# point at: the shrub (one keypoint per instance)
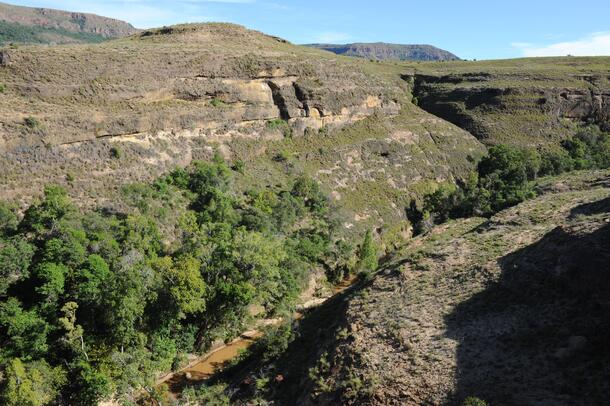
(217, 102)
(473, 401)
(2, 88)
(116, 152)
(282, 156)
(239, 166)
(367, 254)
(281, 125)
(31, 122)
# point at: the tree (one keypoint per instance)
(26, 331)
(15, 256)
(73, 332)
(92, 279)
(309, 190)
(182, 278)
(8, 219)
(45, 215)
(52, 278)
(89, 384)
(367, 254)
(33, 384)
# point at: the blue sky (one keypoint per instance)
(469, 28)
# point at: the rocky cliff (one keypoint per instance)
(43, 25)
(381, 51)
(524, 102)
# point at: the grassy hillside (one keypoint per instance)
(47, 26)
(169, 96)
(529, 102)
(511, 310)
(13, 33)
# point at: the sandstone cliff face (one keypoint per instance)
(537, 107)
(185, 79)
(176, 94)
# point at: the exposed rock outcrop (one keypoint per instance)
(513, 107)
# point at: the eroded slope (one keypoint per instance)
(512, 310)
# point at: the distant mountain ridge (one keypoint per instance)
(20, 24)
(385, 51)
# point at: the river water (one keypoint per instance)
(206, 366)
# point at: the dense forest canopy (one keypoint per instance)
(94, 304)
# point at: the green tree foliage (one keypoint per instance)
(8, 219)
(505, 177)
(45, 215)
(32, 384)
(368, 254)
(16, 255)
(473, 401)
(107, 300)
(25, 332)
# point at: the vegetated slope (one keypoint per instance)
(106, 114)
(382, 51)
(512, 310)
(47, 26)
(527, 102)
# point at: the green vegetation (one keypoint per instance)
(473, 401)
(367, 254)
(31, 122)
(2, 88)
(95, 303)
(280, 125)
(13, 32)
(116, 152)
(506, 177)
(217, 102)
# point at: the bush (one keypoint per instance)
(473, 401)
(116, 152)
(2, 88)
(281, 125)
(31, 122)
(239, 166)
(217, 103)
(367, 254)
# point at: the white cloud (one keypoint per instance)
(594, 44)
(330, 37)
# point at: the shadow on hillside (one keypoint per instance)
(541, 334)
